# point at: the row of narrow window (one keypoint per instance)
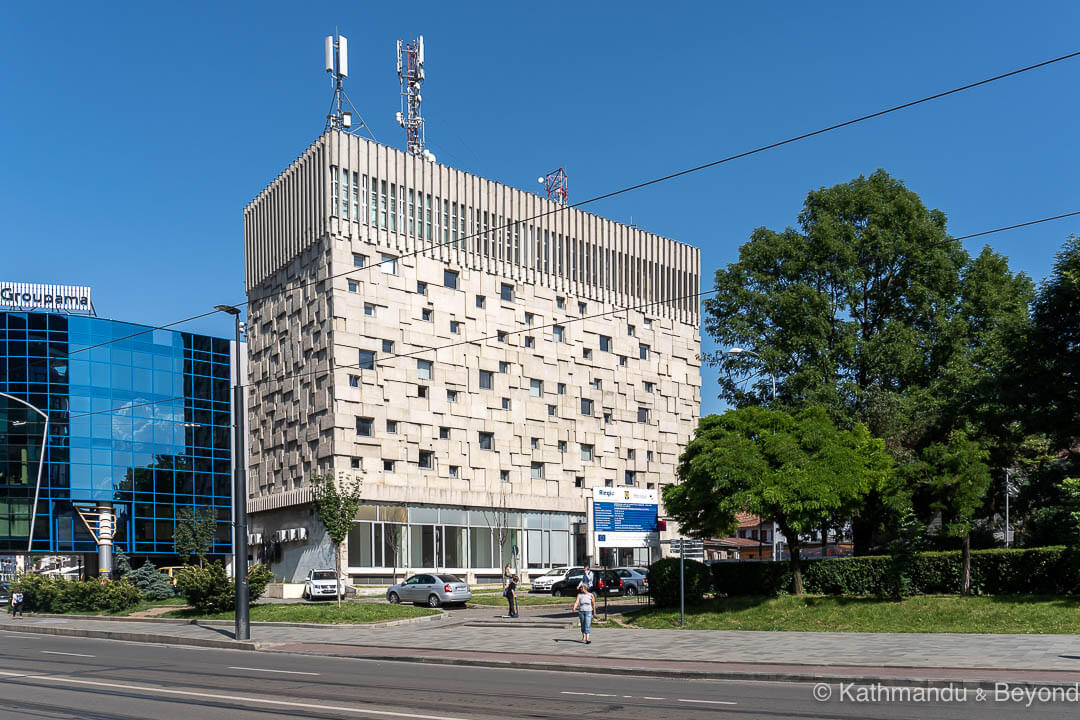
(369, 201)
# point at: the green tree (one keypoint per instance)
(194, 533)
(801, 471)
(336, 505)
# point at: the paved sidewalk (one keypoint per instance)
(545, 637)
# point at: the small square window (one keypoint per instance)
(354, 381)
(607, 418)
(530, 341)
(427, 460)
(388, 346)
(536, 387)
(587, 353)
(536, 471)
(506, 403)
(501, 335)
(388, 465)
(506, 292)
(562, 446)
(426, 314)
(480, 301)
(391, 426)
(605, 343)
(622, 361)
(630, 478)
(421, 391)
(558, 333)
(588, 452)
(455, 327)
(534, 443)
(388, 264)
(643, 415)
(581, 308)
(630, 454)
(444, 433)
(562, 388)
(586, 406)
(369, 309)
(551, 411)
(487, 441)
(560, 302)
(650, 486)
(365, 426)
(630, 330)
(454, 471)
(450, 279)
(366, 360)
(579, 481)
(486, 379)
(359, 260)
(421, 288)
(504, 476)
(354, 286)
(643, 352)
(608, 482)
(423, 369)
(597, 384)
(649, 455)
(354, 463)
(504, 367)
(649, 387)
(528, 318)
(451, 396)
(648, 322)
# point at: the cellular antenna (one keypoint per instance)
(410, 70)
(555, 186)
(337, 64)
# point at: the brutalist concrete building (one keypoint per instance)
(464, 349)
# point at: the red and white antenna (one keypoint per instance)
(555, 185)
(410, 70)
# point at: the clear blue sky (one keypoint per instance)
(133, 135)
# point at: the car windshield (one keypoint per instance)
(450, 578)
(323, 575)
(556, 572)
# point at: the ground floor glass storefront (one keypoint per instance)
(462, 540)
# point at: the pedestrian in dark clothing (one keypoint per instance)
(511, 595)
(16, 604)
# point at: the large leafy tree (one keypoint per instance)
(800, 470)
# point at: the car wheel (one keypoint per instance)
(433, 600)
(631, 591)
(306, 595)
(394, 598)
(556, 593)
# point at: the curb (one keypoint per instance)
(154, 638)
(742, 675)
(230, 623)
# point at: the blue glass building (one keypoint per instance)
(142, 422)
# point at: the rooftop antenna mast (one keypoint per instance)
(410, 70)
(555, 186)
(337, 64)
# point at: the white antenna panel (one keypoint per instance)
(399, 58)
(329, 53)
(420, 53)
(343, 56)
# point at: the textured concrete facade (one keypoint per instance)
(500, 367)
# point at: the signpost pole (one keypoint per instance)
(682, 585)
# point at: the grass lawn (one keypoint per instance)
(523, 599)
(351, 612)
(932, 613)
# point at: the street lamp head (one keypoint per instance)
(228, 309)
(736, 350)
(18, 423)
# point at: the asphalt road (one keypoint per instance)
(54, 677)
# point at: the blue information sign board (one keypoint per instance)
(624, 517)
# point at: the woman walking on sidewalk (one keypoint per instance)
(583, 606)
(511, 595)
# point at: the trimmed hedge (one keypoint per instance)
(664, 581)
(1040, 571)
(51, 594)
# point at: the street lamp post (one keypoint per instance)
(41, 464)
(743, 351)
(240, 546)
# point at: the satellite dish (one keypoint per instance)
(400, 120)
(541, 180)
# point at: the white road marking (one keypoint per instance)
(53, 652)
(567, 692)
(709, 702)
(287, 672)
(59, 679)
(647, 697)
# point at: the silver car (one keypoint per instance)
(430, 589)
(635, 581)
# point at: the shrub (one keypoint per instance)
(664, 581)
(45, 594)
(210, 590)
(1044, 571)
(151, 583)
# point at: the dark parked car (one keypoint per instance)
(5, 594)
(605, 582)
